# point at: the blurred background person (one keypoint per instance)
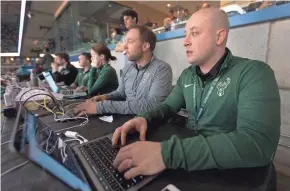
(171, 15)
(186, 14)
(115, 36)
(46, 60)
(148, 23)
(63, 70)
(82, 78)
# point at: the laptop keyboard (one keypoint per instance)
(100, 155)
(67, 92)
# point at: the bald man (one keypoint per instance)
(233, 105)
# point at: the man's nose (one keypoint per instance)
(186, 41)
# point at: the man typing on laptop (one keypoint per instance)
(233, 105)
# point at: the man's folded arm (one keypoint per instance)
(254, 141)
(57, 76)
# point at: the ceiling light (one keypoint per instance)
(78, 23)
(27, 59)
(29, 15)
(168, 5)
(11, 59)
(110, 5)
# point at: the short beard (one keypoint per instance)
(135, 58)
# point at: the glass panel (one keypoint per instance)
(87, 22)
(10, 19)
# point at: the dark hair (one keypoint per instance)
(103, 49)
(63, 55)
(118, 31)
(146, 35)
(87, 55)
(130, 13)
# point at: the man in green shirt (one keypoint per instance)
(233, 105)
(82, 78)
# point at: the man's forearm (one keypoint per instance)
(116, 95)
(58, 77)
(126, 107)
(158, 115)
(236, 149)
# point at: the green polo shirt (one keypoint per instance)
(82, 78)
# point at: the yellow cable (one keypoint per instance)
(44, 106)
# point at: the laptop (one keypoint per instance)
(64, 92)
(87, 167)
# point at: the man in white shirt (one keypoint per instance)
(130, 18)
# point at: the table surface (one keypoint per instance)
(31, 177)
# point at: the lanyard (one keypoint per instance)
(201, 109)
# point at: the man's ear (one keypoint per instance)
(146, 46)
(102, 56)
(221, 36)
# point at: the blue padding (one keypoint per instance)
(111, 46)
(268, 14)
(178, 33)
(74, 58)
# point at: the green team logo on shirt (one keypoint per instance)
(221, 86)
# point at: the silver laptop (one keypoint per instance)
(56, 89)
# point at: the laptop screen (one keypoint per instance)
(44, 147)
(51, 82)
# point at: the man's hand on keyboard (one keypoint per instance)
(99, 98)
(140, 158)
(138, 124)
(88, 107)
(81, 89)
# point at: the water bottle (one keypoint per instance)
(33, 79)
(7, 97)
(14, 81)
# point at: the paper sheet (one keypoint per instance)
(108, 119)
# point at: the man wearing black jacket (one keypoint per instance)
(63, 70)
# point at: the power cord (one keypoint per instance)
(14, 168)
